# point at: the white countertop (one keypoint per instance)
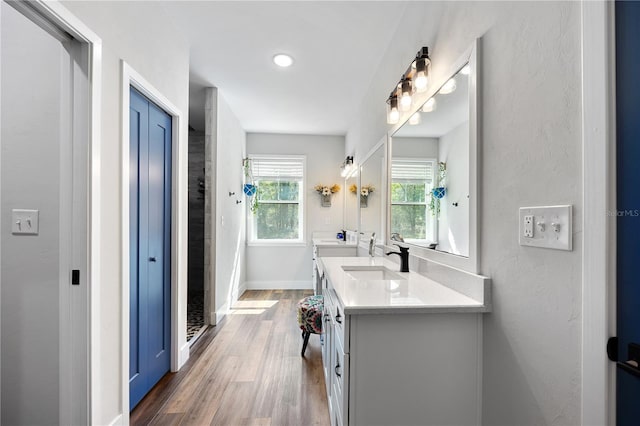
(328, 242)
(415, 293)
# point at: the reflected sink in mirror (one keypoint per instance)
(372, 273)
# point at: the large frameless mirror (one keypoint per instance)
(371, 193)
(433, 171)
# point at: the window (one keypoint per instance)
(411, 185)
(280, 188)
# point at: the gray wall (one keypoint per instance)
(531, 140)
(229, 218)
(289, 266)
(32, 70)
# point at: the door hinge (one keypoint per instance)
(75, 277)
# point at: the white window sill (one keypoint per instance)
(277, 243)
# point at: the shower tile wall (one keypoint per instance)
(195, 307)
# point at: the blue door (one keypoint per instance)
(628, 193)
(150, 245)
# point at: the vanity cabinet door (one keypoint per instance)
(340, 390)
(327, 343)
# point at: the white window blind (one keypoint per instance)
(412, 171)
(278, 168)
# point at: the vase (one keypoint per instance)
(363, 200)
(249, 189)
(439, 192)
(326, 200)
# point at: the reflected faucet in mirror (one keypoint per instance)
(372, 244)
(397, 237)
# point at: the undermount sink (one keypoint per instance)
(372, 273)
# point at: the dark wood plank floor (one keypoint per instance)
(246, 371)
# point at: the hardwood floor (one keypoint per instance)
(246, 371)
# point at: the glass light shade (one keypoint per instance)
(448, 87)
(393, 115)
(405, 99)
(421, 81)
(430, 105)
(415, 119)
(465, 70)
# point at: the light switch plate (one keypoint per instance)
(24, 222)
(552, 227)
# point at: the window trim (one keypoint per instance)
(302, 209)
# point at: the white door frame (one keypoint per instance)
(599, 226)
(179, 345)
(82, 397)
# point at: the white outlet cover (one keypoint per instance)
(562, 216)
(24, 222)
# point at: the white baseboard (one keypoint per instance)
(184, 355)
(217, 316)
(241, 289)
(279, 285)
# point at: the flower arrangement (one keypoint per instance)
(366, 190)
(353, 188)
(327, 190)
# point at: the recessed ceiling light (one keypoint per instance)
(283, 60)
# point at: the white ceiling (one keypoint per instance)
(451, 111)
(336, 45)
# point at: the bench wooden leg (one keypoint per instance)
(306, 335)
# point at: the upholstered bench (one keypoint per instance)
(310, 317)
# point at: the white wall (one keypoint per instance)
(530, 155)
(161, 56)
(230, 216)
(453, 223)
(32, 125)
(409, 147)
(290, 267)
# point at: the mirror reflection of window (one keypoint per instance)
(412, 181)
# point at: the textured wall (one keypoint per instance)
(161, 56)
(530, 155)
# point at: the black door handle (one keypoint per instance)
(630, 367)
(152, 259)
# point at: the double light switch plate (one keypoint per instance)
(546, 227)
(24, 222)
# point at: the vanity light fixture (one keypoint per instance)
(347, 166)
(448, 87)
(283, 60)
(430, 105)
(414, 80)
(415, 119)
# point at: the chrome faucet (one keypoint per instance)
(372, 244)
(404, 257)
